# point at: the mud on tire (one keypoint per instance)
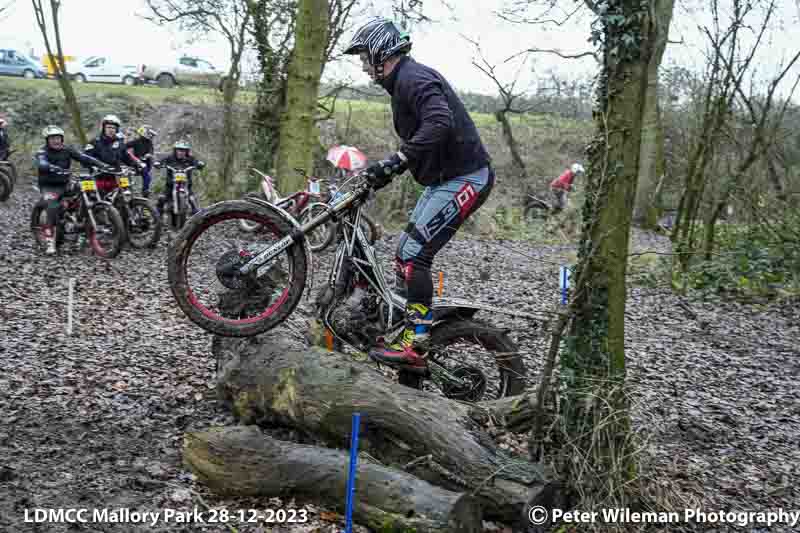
(180, 251)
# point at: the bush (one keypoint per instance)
(749, 262)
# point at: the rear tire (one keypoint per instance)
(324, 235)
(36, 221)
(140, 206)
(79, 78)
(534, 214)
(11, 171)
(247, 225)
(122, 210)
(508, 361)
(106, 213)
(5, 186)
(165, 81)
(180, 251)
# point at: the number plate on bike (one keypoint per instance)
(180, 177)
(88, 186)
(123, 182)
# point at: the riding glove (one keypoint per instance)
(381, 173)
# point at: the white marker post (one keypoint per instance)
(564, 283)
(69, 305)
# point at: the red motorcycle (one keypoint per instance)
(295, 204)
(305, 205)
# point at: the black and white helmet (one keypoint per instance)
(381, 39)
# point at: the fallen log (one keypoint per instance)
(242, 461)
(265, 381)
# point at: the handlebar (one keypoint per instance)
(187, 169)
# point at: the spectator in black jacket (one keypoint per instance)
(53, 161)
(109, 147)
(442, 149)
(141, 151)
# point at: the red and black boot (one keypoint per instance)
(408, 352)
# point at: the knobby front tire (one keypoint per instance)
(209, 319)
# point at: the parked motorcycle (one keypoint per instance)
(303, 205)
(334, 228)
(142, 223)
(181, 203)
(83, 214)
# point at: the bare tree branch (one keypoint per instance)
(5, 8)
(580, 55)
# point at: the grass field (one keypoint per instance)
(548, 143)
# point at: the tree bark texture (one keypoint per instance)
(298, 133)
(651, 162)
(266, 382)
(242, 461)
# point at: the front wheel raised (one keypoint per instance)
(204, 265)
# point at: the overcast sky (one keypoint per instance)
(93, 27)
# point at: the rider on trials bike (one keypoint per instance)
(52, 162)
(109, 147)
(443, 151)
(181, 158)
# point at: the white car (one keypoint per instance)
(102, 69)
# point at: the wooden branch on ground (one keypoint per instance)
(265, 381)
(242, 461)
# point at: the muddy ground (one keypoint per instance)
(95, 420)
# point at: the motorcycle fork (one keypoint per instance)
(87, 206)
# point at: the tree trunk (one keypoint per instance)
(651, 162)
(774, 179)
(242, 461)
(265, 381)
(271, 93)
(298, 132)
(508, 135)
(711, 226)
(59, 66)
(595, 411)
(230, 139)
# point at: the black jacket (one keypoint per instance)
(140, 147)
(174, 162)
(440, 139)
(51, 163)
(110, 151)
(5, 144)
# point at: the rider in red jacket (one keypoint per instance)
(563, 184)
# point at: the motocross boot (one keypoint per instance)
(49, 237)
(408, 351)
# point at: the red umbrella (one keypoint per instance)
(347, 157)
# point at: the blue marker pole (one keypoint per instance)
(351, 477)
(564, 283)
